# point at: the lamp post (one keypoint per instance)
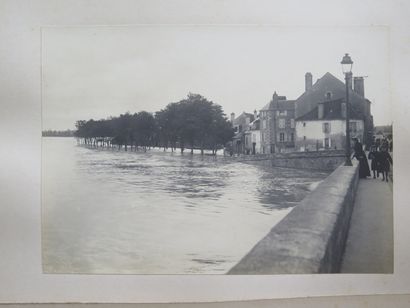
(347, 64)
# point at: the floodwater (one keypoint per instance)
(114, 212)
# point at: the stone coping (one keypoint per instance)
(312, 237)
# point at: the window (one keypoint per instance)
(292, 137)
(263, 124)
(304, 124)
(326, 128)
(282, 137)
(328, 95)
(304, 137)
(292, 123)
(282, 123)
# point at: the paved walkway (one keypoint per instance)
(369, 247)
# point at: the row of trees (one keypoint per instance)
(194, 123)
(58, 133)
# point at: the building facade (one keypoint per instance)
(255, 135)
(277, 125)
(324, 127)
(324, 102)
(241, 125)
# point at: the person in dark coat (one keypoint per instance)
(360, 155)
(374, 157)
(385, 161)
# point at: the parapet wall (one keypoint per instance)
(318, 160)
(312, 237)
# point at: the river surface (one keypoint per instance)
(108, 211)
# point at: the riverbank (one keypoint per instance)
(326, 161)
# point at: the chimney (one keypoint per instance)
(232, 117)
(255, 114)
(359, 85)
(308, 81)
(320, 110)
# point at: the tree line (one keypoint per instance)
(58, 133)
(192, 123)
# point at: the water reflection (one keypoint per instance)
(284, 187)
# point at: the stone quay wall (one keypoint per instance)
(312, 237)
(318, 160)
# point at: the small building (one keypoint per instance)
(277, 125)
(324, 127)
(240, 141)
(254, 135)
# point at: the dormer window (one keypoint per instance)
(328, 95)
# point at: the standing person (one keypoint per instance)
(385, 161)
(385, 143)
(374, 157)
(364, 170)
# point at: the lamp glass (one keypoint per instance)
(347, 64)
(347, 68)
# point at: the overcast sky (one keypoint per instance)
(96, 72)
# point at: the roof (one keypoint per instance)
(279, 103)
(238, 135)
(239, 119)
(328, 83)
(332, 110)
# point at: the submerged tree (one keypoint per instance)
(194, 121)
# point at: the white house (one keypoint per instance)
(320, 113)
(324, 127)
(253, 137)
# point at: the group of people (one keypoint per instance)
(380, 157)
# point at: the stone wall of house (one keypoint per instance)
(312, 237)
(268, 130)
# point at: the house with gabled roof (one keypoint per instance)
(321, 114)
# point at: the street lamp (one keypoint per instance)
(347, 64)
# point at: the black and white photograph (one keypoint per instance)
(213, 153)
(216, 149)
